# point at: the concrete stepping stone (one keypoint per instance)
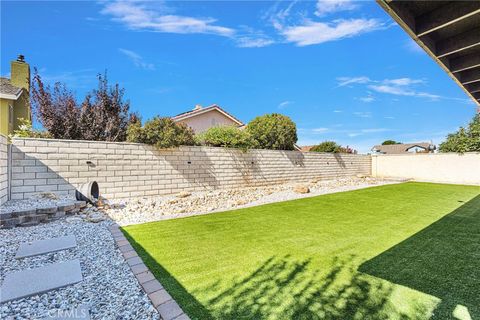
(80, 313)
(45, 246)
(30, 282)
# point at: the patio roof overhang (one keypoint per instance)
(449, 31)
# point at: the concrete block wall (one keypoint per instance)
(3, 169)
(130, 169)
(429, 167)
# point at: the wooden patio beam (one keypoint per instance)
(465, 62)
(445, 16)
(469, 76)
(473, 87)
(457, 43)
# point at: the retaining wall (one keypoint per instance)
(436, 167)
(3, 169)
(131, 169)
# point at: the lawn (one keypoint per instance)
(404, 251)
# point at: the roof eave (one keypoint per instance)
(208, 109)
(10, 96)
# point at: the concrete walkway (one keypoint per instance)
(45, 246)
(30, 282)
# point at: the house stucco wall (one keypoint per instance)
(3, 169)
(129, 169)
(5, 127)
(203, 121)
(431, 167)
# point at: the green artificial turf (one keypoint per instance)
(404, 251)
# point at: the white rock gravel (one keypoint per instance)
(42, 200)
(141, 210)
(109, 287)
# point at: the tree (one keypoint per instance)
(55, 109)
(390, 142)
(465, 139)
(102, 116)
(273, 131)
(327, 146)
(161, 132)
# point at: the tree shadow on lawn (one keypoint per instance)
(286, 288)
(442, 260)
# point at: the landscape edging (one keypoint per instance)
(161, 300)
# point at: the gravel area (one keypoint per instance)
(141, 210)
(109, 288)
(41, 200)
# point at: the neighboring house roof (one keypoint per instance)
(198, 111)
(402, 147)
(9, 91)
(305, 148)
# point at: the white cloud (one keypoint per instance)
(253, 42)
(325, 7)
(139, 16)
(397, 86)
(345, 81)
(367, 99)
(284, 104)
(402, 91)
(337, 111)
(83, 78)
(389, 117)
(320, 130)
(363, 114)
(354, 134)
(312, 32)
(403, 81)
(137, 59)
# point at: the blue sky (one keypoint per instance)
(342, 70)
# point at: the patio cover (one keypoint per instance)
(449, 31)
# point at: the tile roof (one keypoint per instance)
(7, 88)
(194, 112)
(402, 147)
(305, 148)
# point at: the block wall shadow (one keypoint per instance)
(198, 174)
(442, 260)
(32, 175)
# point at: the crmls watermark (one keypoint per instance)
(78, 313)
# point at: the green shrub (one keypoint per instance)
(332, 147)
(224, 136)
(273, 131)
(465, 139)
(161, 132)
(135, 131)
(327, 146)
(25, 130)
(390, 142)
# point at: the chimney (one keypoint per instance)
(197, 107)
(20, 73)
